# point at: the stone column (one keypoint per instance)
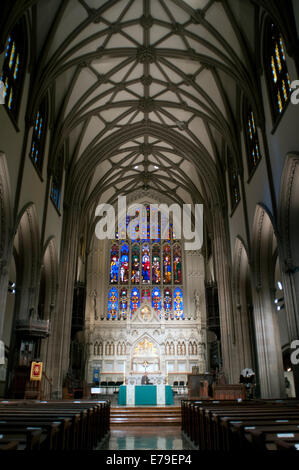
(268, 345)
(4, 273)
(221, 254)
(59, 347)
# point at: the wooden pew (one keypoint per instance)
(245, 423)
(27, 439)
(10, 446)
(66, 425)
(227, 425)
(49, 431)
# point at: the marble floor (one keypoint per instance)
(143, 438)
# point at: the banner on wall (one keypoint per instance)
(36, 371)
(96, 375)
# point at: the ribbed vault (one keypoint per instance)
(167, 75)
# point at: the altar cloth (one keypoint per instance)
(143, 395)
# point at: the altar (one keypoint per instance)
(142, 395)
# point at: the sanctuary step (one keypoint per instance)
(145, 416)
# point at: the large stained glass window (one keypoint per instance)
(14, 67)
(277, 70)
(147, 271)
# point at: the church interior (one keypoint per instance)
(164, 104)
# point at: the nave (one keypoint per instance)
(202, 425)
(181, 106)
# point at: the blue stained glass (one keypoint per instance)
(135, 300)
(167, 301)
(37, 121)
(10, 98)
(145, 264)
(16, 67)
(123, 302)
(112, 303)
(8, 46)
(40, 127)
(156, 299)
(178, 303)
(55, 194)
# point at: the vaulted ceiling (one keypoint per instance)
(145, 93)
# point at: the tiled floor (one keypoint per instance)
(142, 438)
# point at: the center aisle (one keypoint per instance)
(146, 428)
(146, 438)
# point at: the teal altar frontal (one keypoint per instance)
(145, 395)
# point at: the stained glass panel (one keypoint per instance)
(145, 264)
(253, 150)
(38, 136)
(114, 264)
(135, 277)
(123, 302)
(178, 303)
(124, 264)
(166, 264)
(167, 301)
(14, 61)
(278, 71)
(156, 266)
(135, 300)
(145, 295)
(147, 261)
(177, 264)
(112, 303)
(156, 299)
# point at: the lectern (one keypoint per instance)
(198, 386)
